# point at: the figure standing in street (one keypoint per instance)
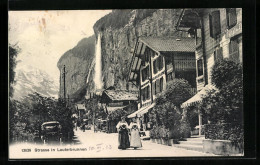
(135, 140)
(123, 137)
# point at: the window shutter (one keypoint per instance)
(234, 50)
(210, 26)
(215, 23)
(220, 53)
(231, 17)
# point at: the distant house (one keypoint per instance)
(113, 100)
(157, 60)
(218, 34)
(81, 110)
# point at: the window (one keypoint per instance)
(214, 24)
(161, 84)
(157, 64)
(145, 73)
(200, 67)
(218, 54)
(160, 65)
(157, 86)
(234, 50)
(231, 17)
(155, 67)
(169, 77)
(145, 93)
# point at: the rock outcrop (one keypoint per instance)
(118, 40)
(119, 32)
(79, 68)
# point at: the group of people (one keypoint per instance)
(124, 131)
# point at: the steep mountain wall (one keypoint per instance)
(119, 32)
(79, 69)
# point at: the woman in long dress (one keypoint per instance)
(135, 140)
(123, 137)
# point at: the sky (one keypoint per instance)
(44, 36)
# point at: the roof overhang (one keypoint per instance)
(197, 98)
(141, 111)
(136, 61)
(189, 18)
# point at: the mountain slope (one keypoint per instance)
(29, 79)
(78, 62)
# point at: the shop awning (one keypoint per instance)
(199, 96)
(111, 109)
(141, 111)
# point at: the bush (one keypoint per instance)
(224, 108)
(168, 116)
(226, 104)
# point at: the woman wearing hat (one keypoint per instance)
(135, 140)
(123, 138)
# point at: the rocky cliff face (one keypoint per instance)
(79, 69)
(30, 79)
(118, 39)
(119, 32)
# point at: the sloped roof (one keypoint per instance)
(81, 106)
(170, 44)
(111, 109)
(121, 95)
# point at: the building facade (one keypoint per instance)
(157, 60)
(220, 30)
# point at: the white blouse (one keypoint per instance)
(134, 124)
(121, 123)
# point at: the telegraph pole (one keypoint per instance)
(64, 87)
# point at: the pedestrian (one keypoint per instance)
(135, 140)
(123, 137)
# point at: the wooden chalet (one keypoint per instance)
(155, 61)
(113, 100)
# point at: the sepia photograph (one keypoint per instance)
(125, 83)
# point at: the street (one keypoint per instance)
(107, 144)
(97, 145)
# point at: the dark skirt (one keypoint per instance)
(123, 139)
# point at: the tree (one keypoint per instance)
(13, 52)
(35, 109)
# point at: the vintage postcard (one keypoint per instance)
(129, 83)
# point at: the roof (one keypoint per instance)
(120, 95)
(81, 106)
(111, 109)
(170, 44)
(51, 122)
(141, 111)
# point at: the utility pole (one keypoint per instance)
(64, 87)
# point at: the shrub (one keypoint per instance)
(168, 116)
(225, 105)
(224, 108)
